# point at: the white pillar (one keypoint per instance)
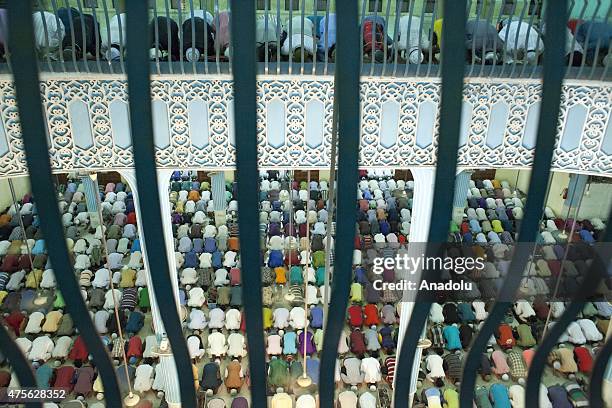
(171, 386)
(462, 185)
(422, 203)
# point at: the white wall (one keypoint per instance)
(21, 185)
(596, 202)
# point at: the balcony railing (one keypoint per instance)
(347, 72)
(397, 38)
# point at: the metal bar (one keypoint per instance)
(606, 66)
(373, 37)
(315, 27)
(547, 130)
(588, 36)
(347, 94)
(193, 40)
(156, 38)
(21, 37)
(23, 229)
(179, 12)
(410, 15)
(484, 41)
(529, 28)
(516, 41)
(146, 182)
(266, 62)
(19, 364)
(571, 50)
(84, 36)
(243, 26)
(504, 45)
(119, 25)
(108, 36)
(363, 14)
(398, 8)
(433, 21)
(290, 36)
(474, 41)
(98, 36)
(598, 47)
(326, 37)
(58, 22)
(278, 36)
(302, 56)
(453, 33)
(386, 35)
(595, 274)
(42, 6)
(72, 36)
(169, 34)
(208, 26)
(217, 21)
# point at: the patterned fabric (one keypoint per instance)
(518, 368)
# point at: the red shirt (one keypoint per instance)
(63, 377)
(131, 218)
(554, 266)
(355, 316)
(528, 356)
(14, 320)
(465, 227)
(584, 359)
(371, 315)
(357, 242)
(78, 350)
(134, 347)
(234, 276)
(505, 338)
(357, 342)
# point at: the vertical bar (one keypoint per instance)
(598, 47)
(119, 25)
(179, 12)
(605, 70)
(290, 36)
(208, 26)
(72, 36)
(315, 26)
(453, 33)
(346, 94)
(363, 14)
(484, 41)
(21, 38)
(553, 70)
(266, 23)
(193, 40)
(433, 21)
(44, 23)
(398, 16)
(169, 34)
(278, 36)
(243, 26)
(596, 272)
(373, 36)
(84, 36)
(474, 40)
(386, 35)
(98, 37)
(529, 28)
(410, 11)
(303, 56)
(146, 182)
(326, 36)
(19, 364)
(58, 22)
(588, 36)
(108, 35)
(217, 44)
(604, 357)
(156, 37)
(504, 49)
(570, 61)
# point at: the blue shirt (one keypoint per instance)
(43, 375)
(499, 395)
(331, 29)
(289, 340)
(312, 368)
(451, 336)
(316, 314)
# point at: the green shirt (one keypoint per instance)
(278, 372)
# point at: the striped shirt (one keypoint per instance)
(390, 368)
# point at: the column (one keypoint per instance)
(90, 199)
(422, 204)
(575, 192)
(217, 181)
(462, 186)
(171, 386)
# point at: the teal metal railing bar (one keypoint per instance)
(448, 144)
(37, 156)
(146, 181)
(597, 376)
(556, 16)
(346, 96)
(243, 26)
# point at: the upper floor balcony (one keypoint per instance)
(400, 38)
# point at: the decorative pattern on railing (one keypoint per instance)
(89, 126)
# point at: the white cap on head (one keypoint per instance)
(154, 52)
(415, 56)
(192, 54)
